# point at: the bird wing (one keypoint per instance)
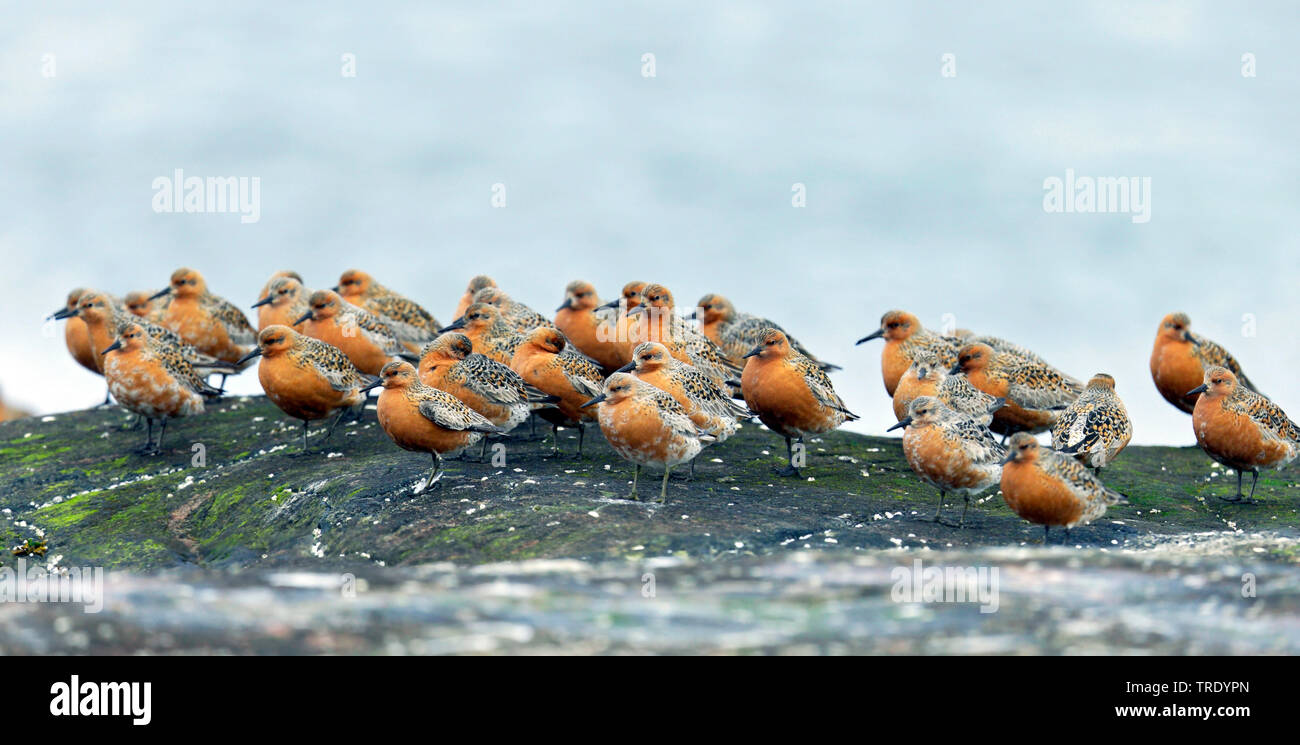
(820, 384)
(584, 376)
(237, 327)
(174, 362)
(977, 442)
(493, 380)
(1266, 414)
(407, 320)
(1033, 385)
(447, 411)
(330, 363)
(1211, 354)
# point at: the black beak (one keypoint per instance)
(164, 291)
(593, 401)
(115, 345)
(956, 369)
(61, 314)
(752, 353)
(1202, 388)
(873, 335)
(1010, 457)
(901, 423)
(694, 314)
(610, 304)
(262, 302)
(998, 403)
(257, 352)
(305, 316)
(459, 323)
(568, 303)
(1188, 336)
(629, 366)
(335, 288)
(373, 385)
(636, 310)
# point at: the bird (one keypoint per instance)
(1240, 428)
(922, 378)
(957, 393)
(594, 335)
(1036, 393)
(424, 419)
(790, 393)
(545, 361)
(411, 324)
(707, 404)
(138, 304)
(658, 320)
(624, 332)
(450, 364)
(1095, 427)
(306, 378)
(475, 284)
(266, 288)
(736, 333)
(363, 337)
(905, 340)
(949, 451)
(488, 331)
(284, 301)
(75, 334)
(1047, 488)
(517, 315)
(646, 425)
(152, 379)
(212, 324)
(1180, 358)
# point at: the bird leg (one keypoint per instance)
(1046, 529)
(148, 439)
(305, 424)
(663, 489)
(582, 433)
(962, 523)
(435, 475)
(789, 469)
(555, 442)
(336, 421)
(1239, 495)
(162, 430)
(636, 473)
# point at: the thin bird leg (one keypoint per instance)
(482, 453)
(157, 448)
(582, 432)
(939, 508)
(304, 435)
(1237, 498)
(636, 473)
(436, 474)
(1046, 529)
(335, 423)
(1253, 482)
(148, 437)
(962, 522)
(663, 489)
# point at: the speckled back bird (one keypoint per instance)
(708, 404)
(657, 316)
(306, 378)
(517, 315)
(284, 302)
(1240, 428)
(475, 284)
(594, 335)
(1095, 427)
(491, 336)
(212, 324)
(905, 340)
(928, 377)
(1036, 393)
(545, 362)
(266, 288)
(790, 393)
(154, 380)
(951, 452)
(1180, 358)
(449, 363)
(736, 333)
(623, 331)
(423, 419)
(363, 337)
(646, 425)
(75, 334)
(411, 324)
(1047, 488)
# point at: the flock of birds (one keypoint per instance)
(660, 387)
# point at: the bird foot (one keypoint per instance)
(788, 471)
(1240, 499)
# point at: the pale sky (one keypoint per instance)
(924, 192)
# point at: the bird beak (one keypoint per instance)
(305, 316)
(115, 345)
(61, 314)
(373, 385)
(335, 288)
(1187, 335)
(998, 403)
(610, 304)
(1202, 388)
(752, 353)
(262, 302)
(629, 366)
(1010, 457)
(164, 291)
(873, 335)
(593, 401)
(568, 303)
(257, 352)
(636, 310)
(956, 369)
(694, 314)
(459, 323)
(901, 423)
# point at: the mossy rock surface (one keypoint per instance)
(253, 499)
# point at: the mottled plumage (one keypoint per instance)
(951, 452)
(1095, 427)
(485, 385)
(1048, 488)
(152, 379)
(906, 341)
(212, 324)
(736, 333)
(1180, 358)
(406, 319)
(515, 314)
(709, 405)
(366, 339)
(1036, 393)
(1240, 428)
(657, 320)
